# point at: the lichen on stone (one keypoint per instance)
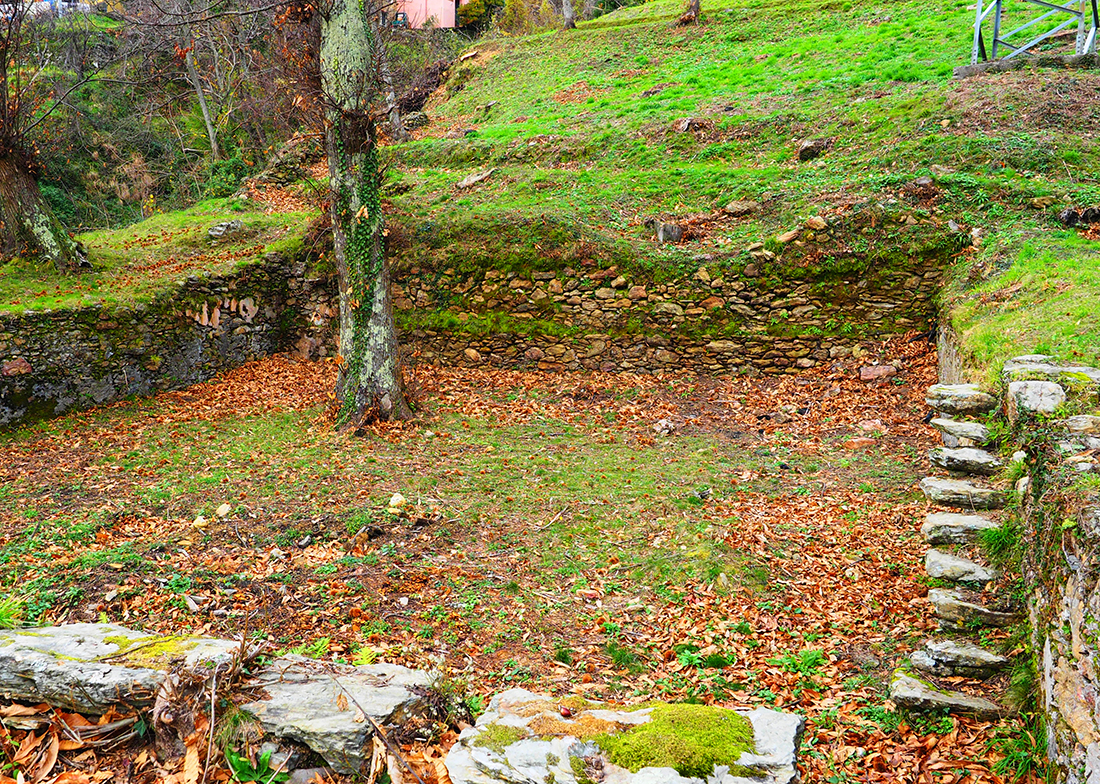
(691, 739)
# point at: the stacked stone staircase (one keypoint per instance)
(959, 608)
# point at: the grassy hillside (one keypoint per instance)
(593, 134)
(586, 130)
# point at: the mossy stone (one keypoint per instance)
(691, 739)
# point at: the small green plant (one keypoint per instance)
(806, 663)
(12, 612)
(624, 658)
(244, 770)
(1002, 545)
(1024, 750)
(563, 654)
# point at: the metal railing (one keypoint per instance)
(1083, 12)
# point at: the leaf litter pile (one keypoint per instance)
(738, 541)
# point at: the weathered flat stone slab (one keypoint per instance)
(952, 657)
(326, 706)
(523, 739)
(954, 492)
(944, 566)
(89, 667)
(909, 691)
(963, 432)
(1034, 397)
(955, 611)
(1039, 367)
(1083, 425)
(954, 528)
(959, 399)
(965, 460)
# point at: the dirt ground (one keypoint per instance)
(738, 541)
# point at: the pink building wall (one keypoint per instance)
(420, 11)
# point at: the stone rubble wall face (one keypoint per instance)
(1063, 568)
(57, 361)
(696, 323)
(52, 362)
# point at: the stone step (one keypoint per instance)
(948, 658)
(959, 399)
(960, 432)
(956, 611)
(954, 528)
(943, 566)
(1039, 367)
(907, 690)
(955, 492)
(965, 460)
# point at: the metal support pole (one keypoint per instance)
(996, 28)
(975, 49)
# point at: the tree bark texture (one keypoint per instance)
(567, 14)
(369, 385)
(28, 227)
(211, 133)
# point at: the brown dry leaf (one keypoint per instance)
(47, 758)
(22, 710)
(342, 701)
(393, 767)
(26, 748)
(192, 765)
(75, 777)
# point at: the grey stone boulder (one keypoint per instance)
(965, 460)
(523, 738)
(962, 432)
(955, 492)
(947, 658)
(219, 230)
(943, 566)
(909, 691)
(327, 706)
(957, 611)
(959, 399)
(1083, 425)
(1034, 397)
(954, 528)
(89, 667)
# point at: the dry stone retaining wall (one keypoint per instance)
(53, 362)
(704, 323)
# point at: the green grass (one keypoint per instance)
(134, 264)
(587, 144)
(12, 612)
(1044, 303)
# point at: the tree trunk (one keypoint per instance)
(392, 109)
(27, 225)
(369, 386)
(567, 14)
(193, 75)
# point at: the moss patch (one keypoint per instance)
(497, 737)
(692, 739)
(584, 727)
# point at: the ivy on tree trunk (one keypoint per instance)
(369, 386)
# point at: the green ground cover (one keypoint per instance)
(588, 144)
(135, 263)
